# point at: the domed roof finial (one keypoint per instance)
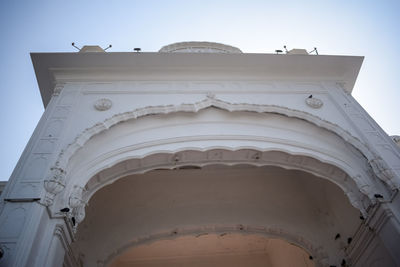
(199, 47)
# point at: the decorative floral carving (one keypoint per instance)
(256, 156)
(54, 185)
(210, 95)
(77, 204)
(75, 199)
(176, 158)
(79, 214)
(103, 104)
(314, 102)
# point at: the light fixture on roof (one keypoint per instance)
(137, 49)
(285, 49)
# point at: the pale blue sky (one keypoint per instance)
(364, 28)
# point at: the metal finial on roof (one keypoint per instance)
(315, 50)
(73, 44)
(108, 47)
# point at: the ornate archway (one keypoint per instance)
(375, 164)
(212, 136)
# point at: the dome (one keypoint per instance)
(199, 47)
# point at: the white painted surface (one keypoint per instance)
(110, 115)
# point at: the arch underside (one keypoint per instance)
(215, 248)
(267, 201)
(199, 159)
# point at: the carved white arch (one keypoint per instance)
(320, 256)
(78, 195)
(379, 167)
(82, 193)
(358, 187)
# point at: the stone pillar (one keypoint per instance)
(26, 226)
(377, 241)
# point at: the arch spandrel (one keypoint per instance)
(210, 101)
(378, 166)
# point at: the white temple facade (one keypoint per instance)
(201, 155)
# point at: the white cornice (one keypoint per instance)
(52, 68)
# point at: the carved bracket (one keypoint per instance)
(77, 204)
(54, 185)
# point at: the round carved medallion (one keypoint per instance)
(103, 104)
(314, 102)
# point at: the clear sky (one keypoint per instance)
(341, 27)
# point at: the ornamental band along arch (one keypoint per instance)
(201, 155)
